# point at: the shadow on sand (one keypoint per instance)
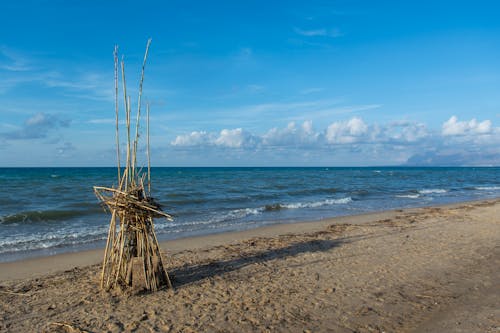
(190, 274)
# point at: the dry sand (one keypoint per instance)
(416, 270)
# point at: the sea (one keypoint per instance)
(46, 211)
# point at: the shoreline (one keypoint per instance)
(433, 269)
(49, 264)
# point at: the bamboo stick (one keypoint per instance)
(129, 157)
(127, 118)
(111, 233)
(148, 149)
(139, 103)
(115, 56)
(160, 255)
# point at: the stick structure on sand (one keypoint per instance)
(132, 255)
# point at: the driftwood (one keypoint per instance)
(132, 256)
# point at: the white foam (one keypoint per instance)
(488, 188)
(315, 204)
(410, 196)
(432, 190)
(218, 218)
(51, 239)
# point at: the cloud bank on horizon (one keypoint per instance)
(458, 140)
(255, 84)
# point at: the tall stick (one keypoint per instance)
(127, 117)
(139, 103)
(148, 149)
(131, 173)
(111, 233)
(115, 56)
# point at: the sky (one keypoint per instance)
(253, 83)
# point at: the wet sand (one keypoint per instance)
(417, 270)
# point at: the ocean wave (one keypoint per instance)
(236, 214)
(314, 204)
(52, 239)
(410, 196)
(232, 215)
(242, 213)
(37, 216)
(487, 188)
(273, 207)
(432, 191)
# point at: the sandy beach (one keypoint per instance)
(431, 269)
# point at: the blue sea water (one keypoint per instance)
(45, 211)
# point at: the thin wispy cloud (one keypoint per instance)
(19, 70)
(95, 86)
(313, 90)
(101, 121)
(251, 116)
(347, 109)
(14, 61)
(322, 32)
(39, 126)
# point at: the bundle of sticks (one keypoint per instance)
(132, 256)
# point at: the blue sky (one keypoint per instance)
(246, 83)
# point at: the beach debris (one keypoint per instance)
(132, 257)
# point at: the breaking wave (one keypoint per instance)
(432, 191)
(37, 216)
(488, 188)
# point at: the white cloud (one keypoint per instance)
(405, 131)
(397, 141)
(351, 131)
(195, 138)
(229, 138)
(453, 127)
(291, 135)
(235, 138)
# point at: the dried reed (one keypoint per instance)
(132, 251)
